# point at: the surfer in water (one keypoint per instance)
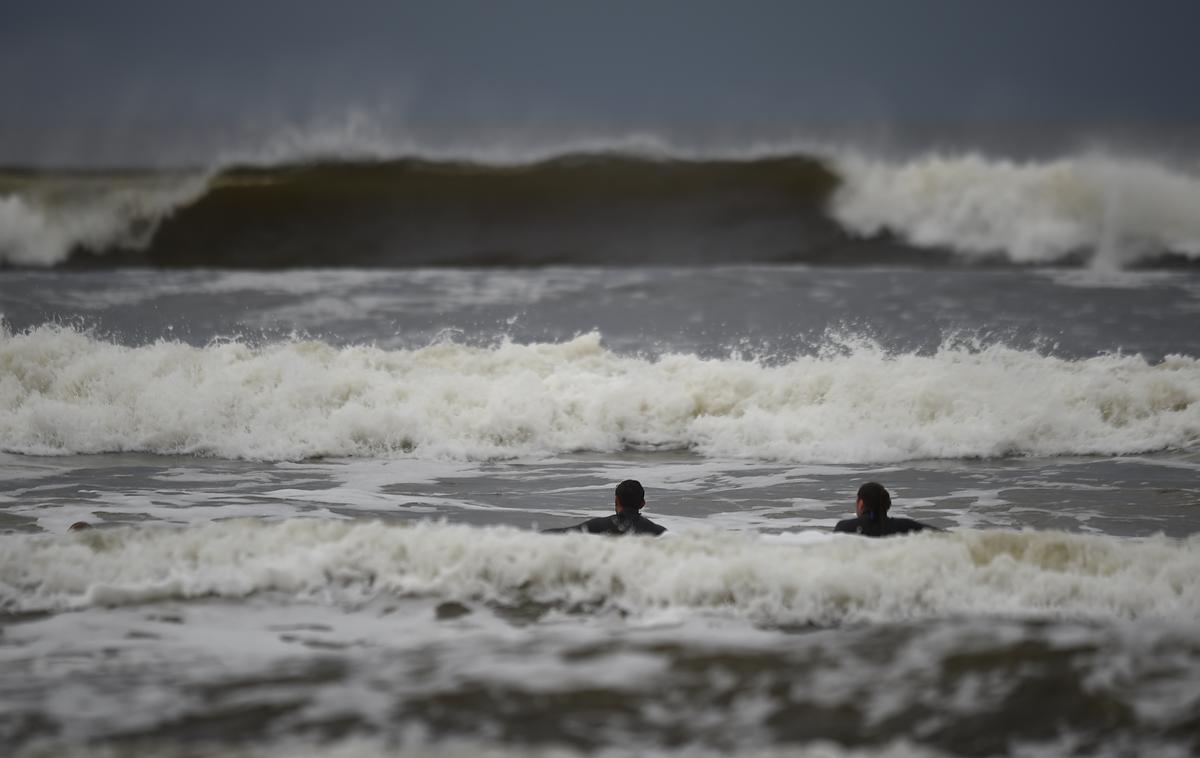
(872, 521)
(628, 519)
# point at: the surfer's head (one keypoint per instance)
(873, 502)
(630, 496)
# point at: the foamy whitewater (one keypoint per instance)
(67, 392)
(43, 225)
(316, 494)
(830, 581)
(1114, 211)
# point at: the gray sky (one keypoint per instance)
(132, 81)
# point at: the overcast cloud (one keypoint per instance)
(150, 81)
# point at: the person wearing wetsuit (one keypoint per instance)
(872, 521)
(630, 500)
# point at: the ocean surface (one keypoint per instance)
(317, 413)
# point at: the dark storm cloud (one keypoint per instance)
(122, 76)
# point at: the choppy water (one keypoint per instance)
(240, 594)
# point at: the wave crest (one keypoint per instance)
(1018, 574)
(64, 391)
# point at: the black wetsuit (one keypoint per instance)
(889, 526)
(618, 523)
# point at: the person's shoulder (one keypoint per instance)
(646, 526)
(848, 526)
(902, 525)
(600, 525)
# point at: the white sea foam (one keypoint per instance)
(1116, 210)
(64, 391)
(379, 748)
(38, 231)
(991, 573)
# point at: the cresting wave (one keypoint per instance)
(1116, 211)
(608, 207)
(46, 219)
(64, 391)
(995, 573)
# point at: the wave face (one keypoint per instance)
(604, 207)
(1117, 212)
(597, 209)
(63, 391)
(833, 581)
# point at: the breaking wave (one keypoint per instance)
(1117, 212)
(994, 573)
(64, 391)
(619, 203)
(48, 219)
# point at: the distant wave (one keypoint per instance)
(836, 580)
(610, 206)
(64, 391)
